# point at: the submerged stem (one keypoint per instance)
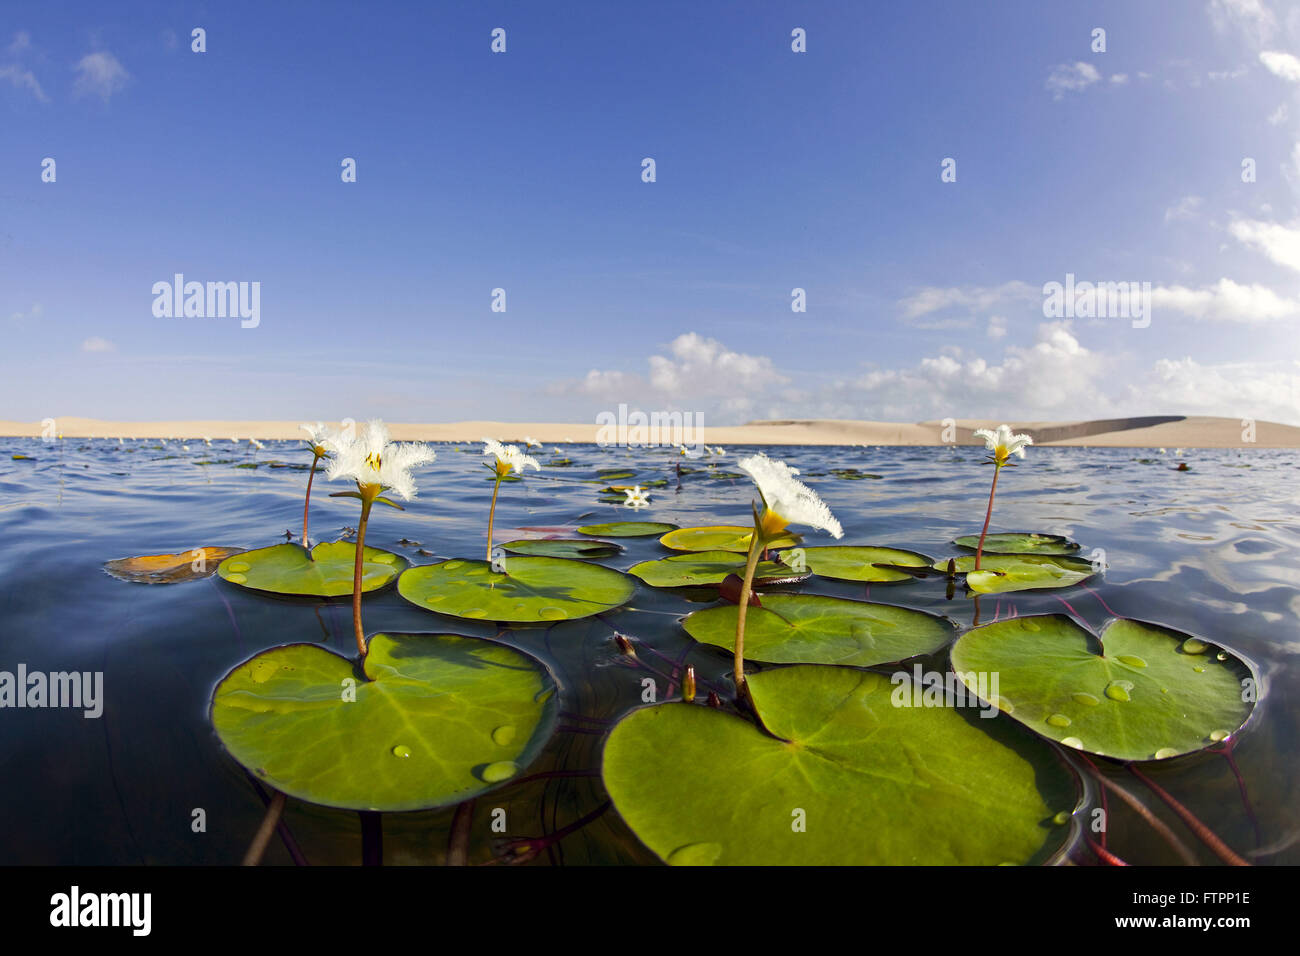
(1203, 833)
(257, 848)
(979, 551)
(756, 546)
(356, 576)
(492, 513)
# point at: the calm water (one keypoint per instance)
(1214, 551)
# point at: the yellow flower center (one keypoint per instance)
(772, 524)
(373, 460)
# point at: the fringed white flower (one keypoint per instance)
(375, 463)
(1002, 443)
(788, 500)
(509, 457)
(318, 436)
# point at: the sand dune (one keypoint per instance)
(1169, 431)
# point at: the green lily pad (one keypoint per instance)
(848, 778)
(849, 563)
(1020, 572)
(614, 474)
(443, 719)
(533, 589)
(852, 474)
(710, 567)
(720, 538)
(1139, 692)
(286, 569)
(1019, 542)
(562, 548)
(812, 629)
(627, 529)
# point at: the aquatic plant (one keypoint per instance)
(509, 460)
(1001, 445)
(786, 501)
(318, 436)
(376, 465)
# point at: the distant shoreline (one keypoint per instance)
(1167, 431)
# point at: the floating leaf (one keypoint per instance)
(286, 569)
(720, 538)
(848, 563)
(848, 778)
(532, 590)
(562, 548)
(627, 529)
(1020, 572)
(1019, 542)
(429, 729)
(169, 568)
(709, 567)
(852, 474)
(1139, 692)
(812, 629)
(614, 474)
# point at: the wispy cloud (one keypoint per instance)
(19, 76)
(100, 74)
(1281, 64)
(1071, 78)
(1279, 242)
(97, 344)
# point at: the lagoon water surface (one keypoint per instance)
(1214, 551)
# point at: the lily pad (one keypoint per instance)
(852, 474)
(627, 529)
(532, 590)
(1019, 542)
(169, 568)
(442, 719)
(1020, 572)
(1138, 692)
(812, 629)
(720, 538)
(710, 567)
(286, 569)
(562, 548)
(848, 563)
(614, 474)
(848, 778)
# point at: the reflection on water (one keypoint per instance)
(1214, 551)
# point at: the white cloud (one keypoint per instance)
(33, 313)
(997, 327)
(1281, 64)
(1280, 243)
(15, 73)
(1225, 301)
(969, 298)
(1227, 74)
(1278, 116)
(1185, 208)
(100, 74)
(1252, 17)
(1119, 78)
(1071, 77)
(1268, 391)
(96, 344)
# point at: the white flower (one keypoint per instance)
(1003, 444)
(256, 444)
(509, 457)
(318, 436)
(787, 498)
(374, 462)
(531, 442)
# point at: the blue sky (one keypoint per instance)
(775, 170)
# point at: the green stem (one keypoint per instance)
(979, 551)
(756, 547)
(492, 513)
(356, 576)
(307, 502)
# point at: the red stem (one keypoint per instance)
(307, 502)
(979, 551)
(356, 577)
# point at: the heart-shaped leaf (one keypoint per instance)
(720, 538)
(562, 548)
(442, 719)
(287, 569)
(848, 778)
(812, 629)
(1140, 692)
(169, 568)
(627, 529)
(532, 589)
(1020, 572)
(1019, 542)
(848, 563)
(710, 567)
